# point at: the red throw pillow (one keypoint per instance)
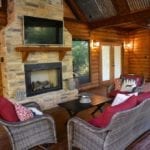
(23, 113)
(104, 119)
(115, 92)
(7, 110)
(143, 96)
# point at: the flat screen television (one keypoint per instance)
(42, 31)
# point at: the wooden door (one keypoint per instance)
(111, 62)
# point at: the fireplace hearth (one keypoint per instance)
(42, 78)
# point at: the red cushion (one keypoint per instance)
(104, 119)
(143, 96)
(7, 110)
(115, 92)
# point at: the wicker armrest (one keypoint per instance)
(32, 132)
(27, 122)
(32, 104)
(82, 134)
(84, 124)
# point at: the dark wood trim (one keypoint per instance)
(4, 5)
(73, 20)
(134, 17)
(76, 10)
(3, 18)
(121, 6)
(26, 50)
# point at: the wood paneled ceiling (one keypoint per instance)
(126, 15)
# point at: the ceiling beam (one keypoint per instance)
(4, 5)
(133, 17)
(76, 10)
(121, 7)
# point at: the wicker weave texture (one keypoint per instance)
(27, 134)
(124, 128)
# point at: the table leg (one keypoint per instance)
(99, 107)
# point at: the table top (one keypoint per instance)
(74, 106)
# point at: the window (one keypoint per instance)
(81, 61)
(111, 61)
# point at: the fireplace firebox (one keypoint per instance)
(42, 78)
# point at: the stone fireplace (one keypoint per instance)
(43, 78)
(15, 63)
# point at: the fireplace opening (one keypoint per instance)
(42, 78)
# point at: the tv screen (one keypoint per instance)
(42, 31)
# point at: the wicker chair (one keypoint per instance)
(125, 127)
(33, 132)
(139, 79)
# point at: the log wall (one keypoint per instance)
(136, 60)
(81, 31)
(139, 56)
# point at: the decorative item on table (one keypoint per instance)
(85, 99)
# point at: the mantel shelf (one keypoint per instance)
(25, 50)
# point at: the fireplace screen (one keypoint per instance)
(44, 79)
(41, 78)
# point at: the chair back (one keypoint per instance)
(139, 79)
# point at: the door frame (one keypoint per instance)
(111, 44)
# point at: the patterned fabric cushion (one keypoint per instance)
(128, 85)
(23, 113)
(117, 82)
(104, 119)
(7, 110)
(138, 79)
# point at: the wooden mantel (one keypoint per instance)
(25, 50)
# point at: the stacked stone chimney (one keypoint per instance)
(13, 67)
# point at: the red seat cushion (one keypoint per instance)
(104, 119)
(7, 110)
(115, 92)
(143, 96)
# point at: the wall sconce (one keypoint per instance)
(128, 45)
(95, 44)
